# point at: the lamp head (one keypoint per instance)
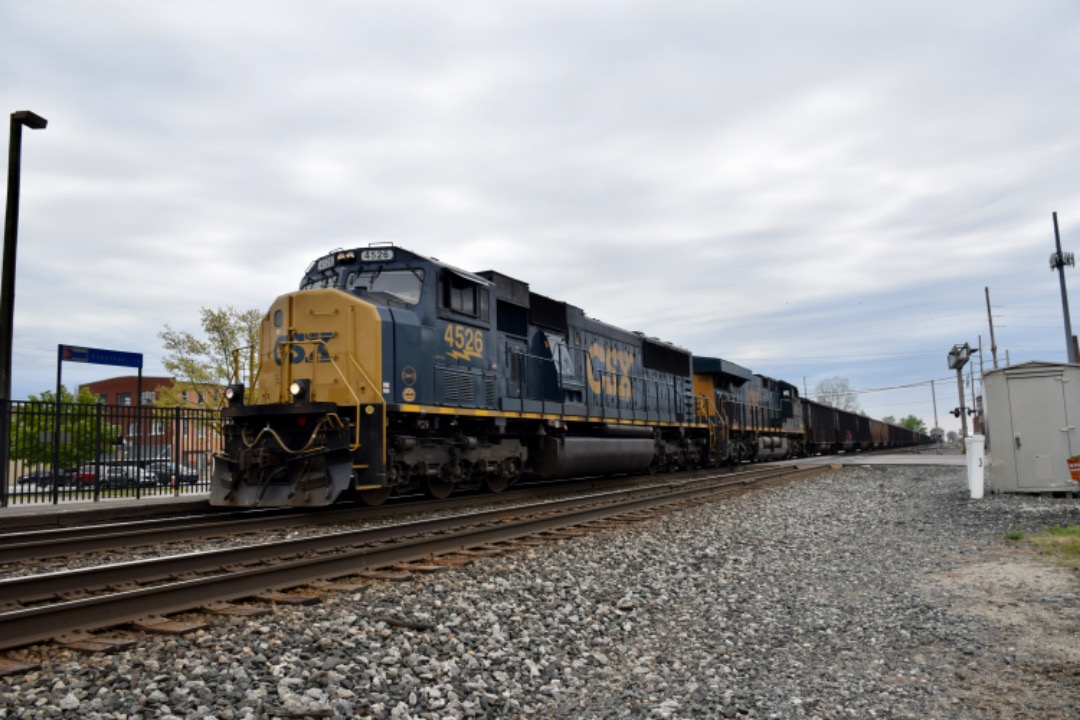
(29, 119)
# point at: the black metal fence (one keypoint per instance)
(76, 451)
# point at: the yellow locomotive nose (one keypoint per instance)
(315, 430)
(327, 337)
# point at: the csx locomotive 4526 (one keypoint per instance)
(390, 373)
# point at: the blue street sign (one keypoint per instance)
(97, 356)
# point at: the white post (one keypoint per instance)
(975, 465)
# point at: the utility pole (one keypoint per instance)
(933, 396)
(974, 398)
(1058, 261)
(990, 317)
(936, 433)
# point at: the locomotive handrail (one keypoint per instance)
(381, 401)
(341, 374)
(319, 345)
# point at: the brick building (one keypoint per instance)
(183, 434)
(124, 390)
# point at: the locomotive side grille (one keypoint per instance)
(490, 396)
(459, 388)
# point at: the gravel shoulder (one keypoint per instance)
(870, 592)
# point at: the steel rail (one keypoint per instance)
(41, 544)
(62, 542)
(58, 584)
(241, 572)
(55, 542)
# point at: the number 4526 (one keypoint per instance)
(465, 343)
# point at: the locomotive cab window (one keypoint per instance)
(465, 297)
(787, 405)
(404, 286)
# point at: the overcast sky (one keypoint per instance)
(807, 189)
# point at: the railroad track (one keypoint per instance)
(38, 544)
(40, 607)
(153, 534)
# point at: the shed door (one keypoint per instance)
(1038, 410)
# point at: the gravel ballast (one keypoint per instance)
(869, 592)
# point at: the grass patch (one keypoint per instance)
(1014, 535)
(1062, 544)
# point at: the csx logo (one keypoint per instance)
(609, 371)
(302, 347)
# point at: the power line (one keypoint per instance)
(881, 389)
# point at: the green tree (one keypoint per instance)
(913, 423)
(837, 392)
(206, 364)
(889, 420)
(33, 429)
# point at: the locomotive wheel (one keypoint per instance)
(374, 498)
(496, 484)
(437, 488)
(508, 474)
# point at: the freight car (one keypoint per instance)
(829, 430)
(389, 372)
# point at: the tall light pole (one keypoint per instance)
(1058, 261)
(7, 276)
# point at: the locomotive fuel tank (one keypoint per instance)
(772, 447)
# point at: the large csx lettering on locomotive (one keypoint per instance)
(609, 371)
(302, 347)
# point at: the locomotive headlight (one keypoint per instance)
(234, 394)
(300, 389)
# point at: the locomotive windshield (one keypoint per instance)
(370, 277)
(401, 285)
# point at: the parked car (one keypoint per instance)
(125, 476)
(164, 471)
(87, 474)
(44, 479)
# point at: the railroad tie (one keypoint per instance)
(481, 552)
(232, 610)
(288, 599)
(14, 667)
(325, 586)
(567, 532)
(384, 575)
(418, 568)
(85, 642)
(166, 626)
(454, 560)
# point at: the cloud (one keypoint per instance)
(815, 190)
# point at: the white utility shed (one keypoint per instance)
(1032, 416)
